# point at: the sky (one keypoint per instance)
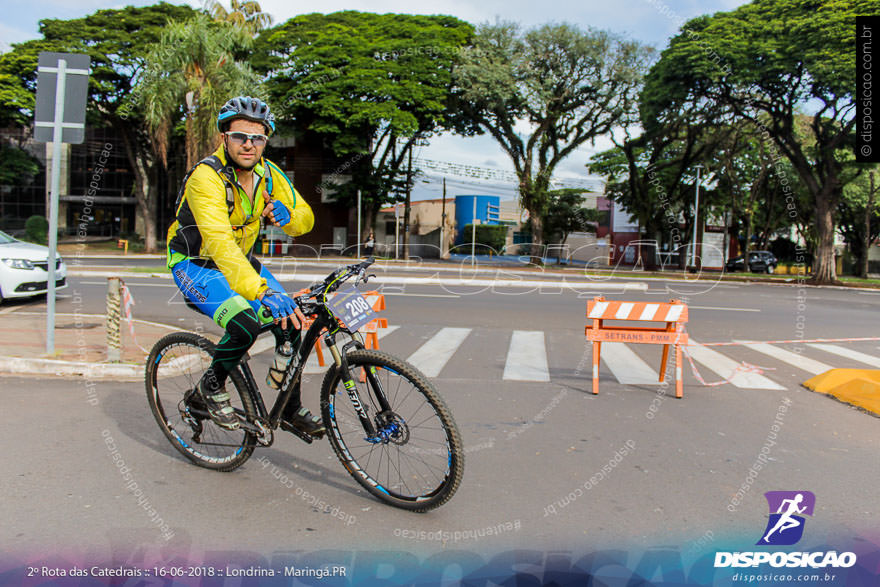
(652, 22)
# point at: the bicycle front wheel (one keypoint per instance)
(174, 368)
(415, 460)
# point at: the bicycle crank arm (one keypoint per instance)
(304, 436)
(264, 434)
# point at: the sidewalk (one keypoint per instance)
(80, 346)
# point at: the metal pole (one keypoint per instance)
(474, 233)
(53, 202)
(359, 226)
(869, 210)
(396, 230)
(696, 218)
(406, 206)
(443, 222)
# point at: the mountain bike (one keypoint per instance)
(384, 418)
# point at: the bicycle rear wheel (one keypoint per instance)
(415, 461)
(174, 368)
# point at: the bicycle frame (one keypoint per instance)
(293, 374)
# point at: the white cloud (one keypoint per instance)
(9, 35)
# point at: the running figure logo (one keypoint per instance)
(786, 524)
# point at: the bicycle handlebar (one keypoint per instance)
(332, 282)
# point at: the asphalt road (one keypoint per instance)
(531, 447)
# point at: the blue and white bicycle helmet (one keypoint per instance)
(247, 108)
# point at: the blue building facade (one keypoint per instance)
(487, 212)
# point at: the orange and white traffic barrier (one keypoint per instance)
(673, 315)
(370, 330)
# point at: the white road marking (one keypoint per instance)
(431, 357)
(527, 357)
(724, 309)
(727, 368)
(418, 295)
(794, 359)
(847, 353)
(627, 366)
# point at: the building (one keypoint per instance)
(425, 220)
(98, 173)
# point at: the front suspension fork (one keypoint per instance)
(341, 360)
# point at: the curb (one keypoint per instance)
(58, 368)
(10, 366)
(89, 371)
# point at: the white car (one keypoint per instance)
(24, 269)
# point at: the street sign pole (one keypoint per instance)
(474, 235)
(696, 218)
(443, 251)
(396, 228)
(53, 202)
(67, 96)
(359, 226)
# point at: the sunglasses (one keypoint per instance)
(240, 138)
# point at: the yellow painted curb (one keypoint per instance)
(859, 387)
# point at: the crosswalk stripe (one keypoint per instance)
(847, 353)
(794, 359)
(431, 357)
(527, 357)
(627, 366)
(726, 367)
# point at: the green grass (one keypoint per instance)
(859, 280)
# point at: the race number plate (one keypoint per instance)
(352, 308)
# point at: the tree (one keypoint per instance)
(570, 86)
(763, 61)
(192, 69)
(246, 14)
(761, 196)
(859, 217)
(117, 41)
(17, 166)
(371, 85)
(566, 214)
(653, 176)
(18, 80)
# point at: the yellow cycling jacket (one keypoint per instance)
(205, 228)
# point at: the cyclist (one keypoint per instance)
(210, 252)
